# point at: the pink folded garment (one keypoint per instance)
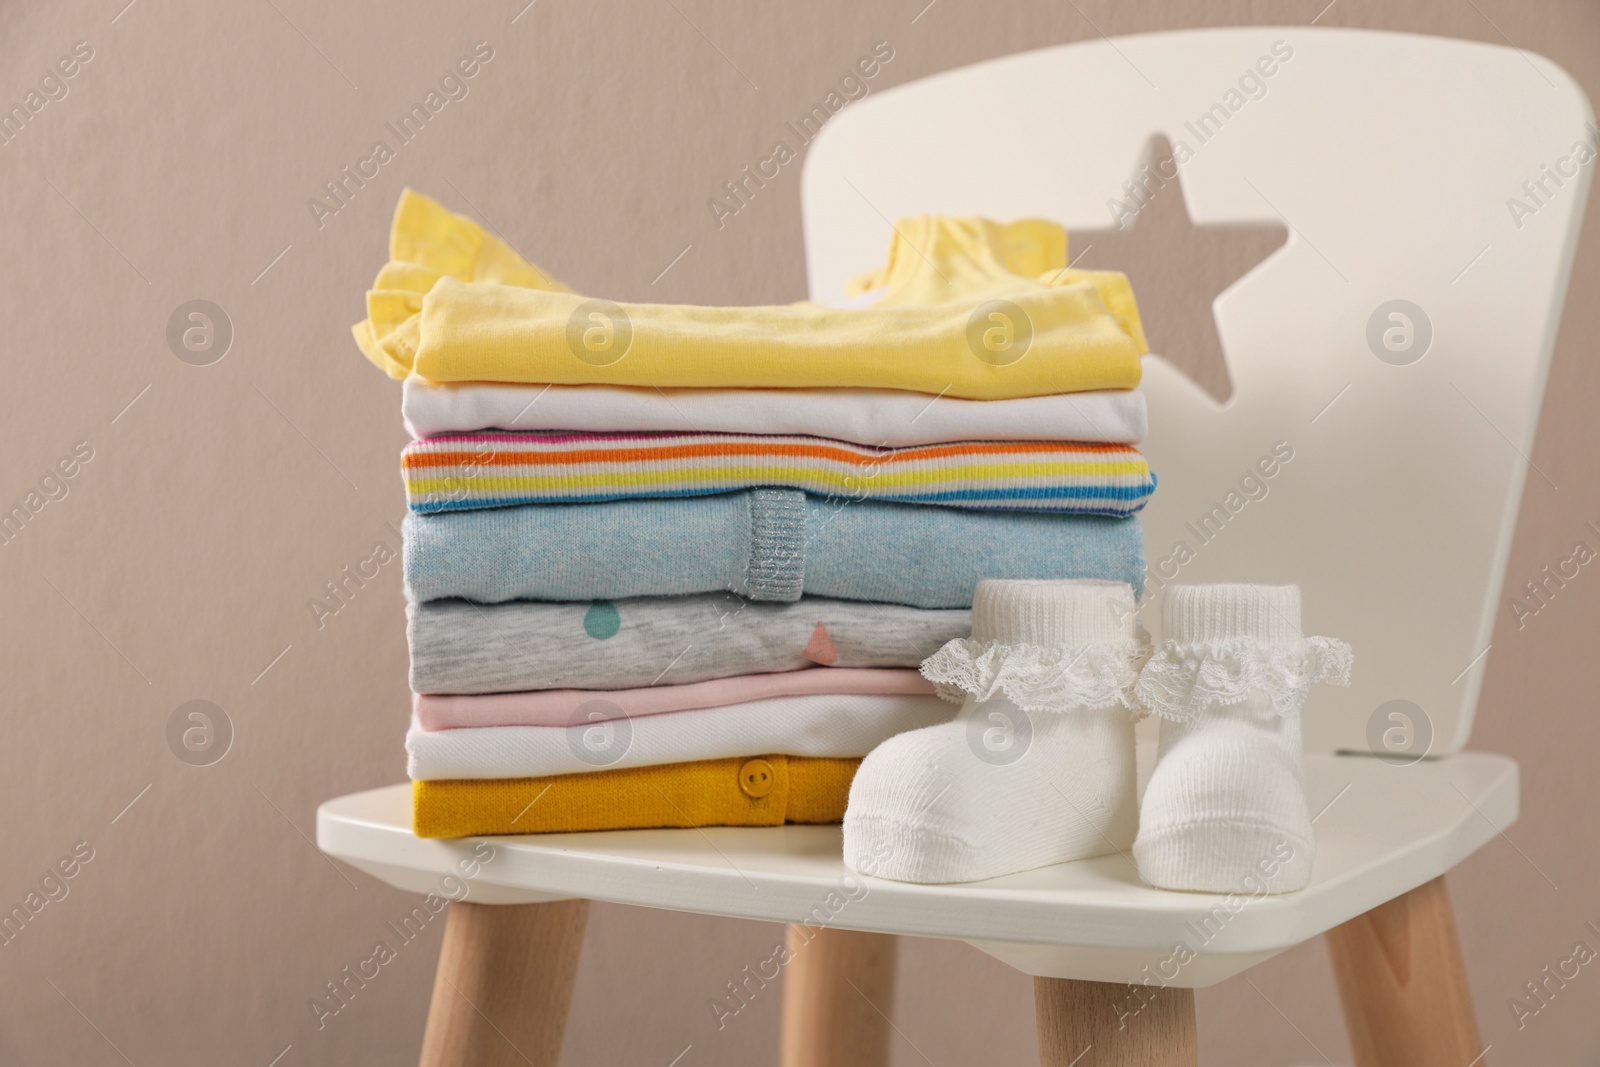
(563, 707)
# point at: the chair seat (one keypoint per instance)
(1383, 830)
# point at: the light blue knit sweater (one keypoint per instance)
(764, 544)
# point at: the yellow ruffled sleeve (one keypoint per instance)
(428, 242)
(935, 260)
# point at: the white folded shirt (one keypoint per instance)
(841, 725)
(890, 417)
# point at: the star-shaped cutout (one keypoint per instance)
(1177, 268)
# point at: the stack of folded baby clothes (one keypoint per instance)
(676, 566)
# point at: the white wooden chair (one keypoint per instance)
(1393, 160)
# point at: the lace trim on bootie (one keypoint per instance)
(1096, 675)
(1181, 679)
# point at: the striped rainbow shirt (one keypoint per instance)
(462, 471)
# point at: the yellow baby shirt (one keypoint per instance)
(969, 308)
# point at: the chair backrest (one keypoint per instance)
(1446, 174)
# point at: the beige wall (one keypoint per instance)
(181, 561)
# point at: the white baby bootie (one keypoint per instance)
(1225, 810)
(1037, 769)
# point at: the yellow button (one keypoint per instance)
(756, 778)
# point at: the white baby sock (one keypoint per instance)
(1037, 768)
(1225, 810)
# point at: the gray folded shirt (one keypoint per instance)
(461, 647)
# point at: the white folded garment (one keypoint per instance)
(890, 417)
(604, 738)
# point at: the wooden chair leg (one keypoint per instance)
(504, 984)
(1102, 1024)
(1404, 986)
(838, 991)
